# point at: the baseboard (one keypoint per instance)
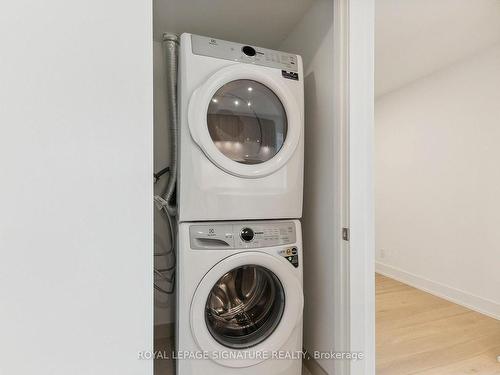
(470, 301)
(163, 331)
(313, 366)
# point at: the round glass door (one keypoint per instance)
(247, 121)
(244, 306)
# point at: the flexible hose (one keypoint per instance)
(167, 204)
(171, 46)
(167, 274)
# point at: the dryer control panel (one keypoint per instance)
(223, 49)
(242, 235)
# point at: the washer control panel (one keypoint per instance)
(242, 235)
(223, 49)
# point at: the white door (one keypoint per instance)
(246, 121)
(76, 123)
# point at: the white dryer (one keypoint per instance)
(239, 298)
(241, 119)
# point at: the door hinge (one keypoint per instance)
(346, 234)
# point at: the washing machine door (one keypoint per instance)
(246, 120)
(248, 303)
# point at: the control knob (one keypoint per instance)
(247, 234)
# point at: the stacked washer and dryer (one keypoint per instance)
(239, 267)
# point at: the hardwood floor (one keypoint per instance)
(418, 333)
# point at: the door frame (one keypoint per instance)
(354, 102)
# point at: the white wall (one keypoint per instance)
(75, 204)
(415, 38)
(313, 39)
(438, 182)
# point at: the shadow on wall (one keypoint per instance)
(310, 156)
(312, 38)
(319, 20)
(311, 200)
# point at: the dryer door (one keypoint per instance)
(245, 120)
(249, 302)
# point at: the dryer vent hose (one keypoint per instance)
(171, 47)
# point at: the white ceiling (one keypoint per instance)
(414, 38)
(264, 23)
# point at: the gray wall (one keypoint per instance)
(313, 39)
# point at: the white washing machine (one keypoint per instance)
(241, 120)
(239, 298)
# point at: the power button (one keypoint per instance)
(249, 51)
(247, 234)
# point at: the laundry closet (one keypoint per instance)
(290, 101)
(89, 271)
